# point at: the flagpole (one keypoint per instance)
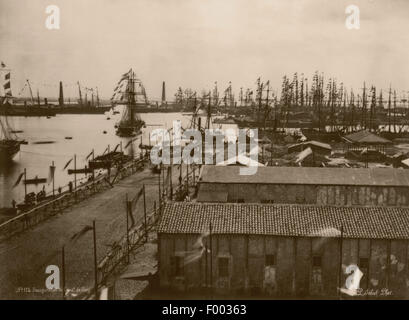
(25, 185)
(127, 227)
(160, 198)
(53, 178)
(144, 212)
(95, 260)
(63, 272)
(93, 172)
(75, 173)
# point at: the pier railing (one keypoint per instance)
(65, 200)
(119, 254)
(138, 235)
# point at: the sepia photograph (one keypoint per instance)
(231, 151)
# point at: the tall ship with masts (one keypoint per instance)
(130, 92)
(9, 141)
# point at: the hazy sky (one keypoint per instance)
(192, 43)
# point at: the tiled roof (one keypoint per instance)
(365, 136)
(308, 175)
(285, 220)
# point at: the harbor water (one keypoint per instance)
(59, 138)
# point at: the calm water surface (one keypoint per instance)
(87, 134)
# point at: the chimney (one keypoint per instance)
(61, 98)
(163, 92)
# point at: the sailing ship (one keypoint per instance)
(130, 124)
(9, 142)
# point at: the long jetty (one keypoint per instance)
(88, 235)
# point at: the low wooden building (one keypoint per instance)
(283, 250)
(365, 140)
(306, 185)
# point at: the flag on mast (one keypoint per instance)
(90, 154)
(67, 164)
(18, 179)
(51, 174)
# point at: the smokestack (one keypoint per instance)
(46, 101)
(163, 92)
(61, 98)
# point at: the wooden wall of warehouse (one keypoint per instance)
(283, 266)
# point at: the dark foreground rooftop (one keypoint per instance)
(286, 220)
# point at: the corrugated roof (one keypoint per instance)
(365, 136)
(308, 175)
(286, 220)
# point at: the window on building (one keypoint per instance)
(363, 263)
(316, 261)
(177, 266)
(223, 267)
(270, 261)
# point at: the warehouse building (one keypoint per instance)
(283, 250)
(306, 185)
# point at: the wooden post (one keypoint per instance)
(187, 179)
(160, 197)
(340, 261)
(194, 175)
(144, 213)
(180, 174)
(163, 182)
(171, 184)
(63, 271)
(211, 258)
(95, 261)
(206, 269)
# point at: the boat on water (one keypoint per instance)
(9, 141)
(130, 124)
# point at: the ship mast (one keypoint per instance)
(31, 92)
(131, 96)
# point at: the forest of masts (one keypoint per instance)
(329, 104)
